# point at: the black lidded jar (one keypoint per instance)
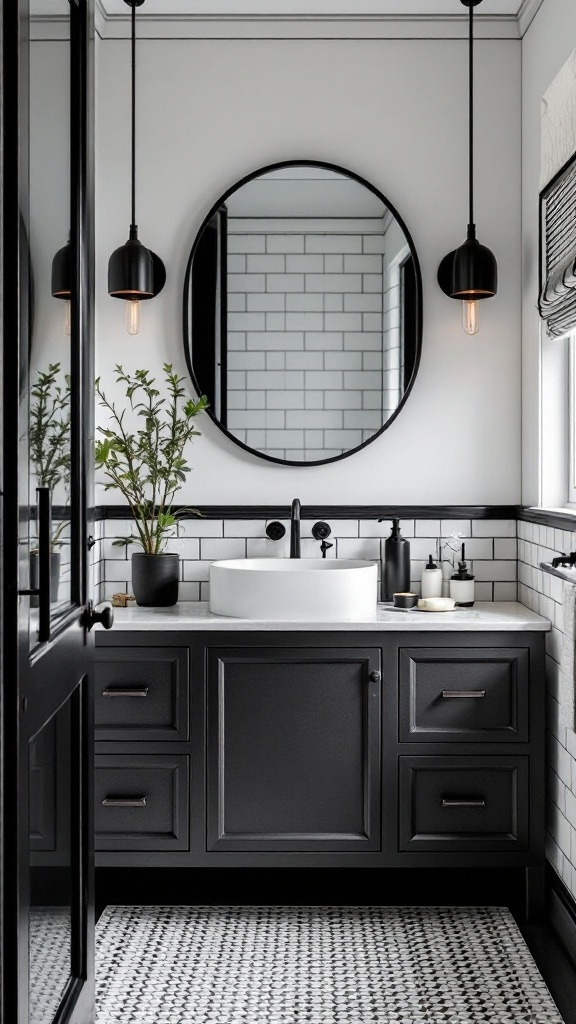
(396, 564)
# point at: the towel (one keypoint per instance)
(568, 659)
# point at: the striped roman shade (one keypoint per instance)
(558, 252)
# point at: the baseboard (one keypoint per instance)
(562, 914)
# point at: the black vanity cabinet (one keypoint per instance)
(376, 749)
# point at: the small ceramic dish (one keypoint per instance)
(436, 604)
(405, 600)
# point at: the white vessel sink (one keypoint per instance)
(294, 589)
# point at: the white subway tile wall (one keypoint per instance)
(202, 541)
(543, 593)
(314, 366)
(497, 559)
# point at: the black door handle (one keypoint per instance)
(105, 616)
(44, 561)
(375, 677)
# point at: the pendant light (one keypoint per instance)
(61, 288)
(135, 273)
(470, 273)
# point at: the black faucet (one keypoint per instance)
(565, 560)
(295, 529)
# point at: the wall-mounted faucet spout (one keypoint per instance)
(295, 529)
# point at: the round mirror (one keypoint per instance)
(303, 313)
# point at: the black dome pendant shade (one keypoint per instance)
(131, 270)
(135, 273)
(61, 287)
(470, 273)
(62, 282)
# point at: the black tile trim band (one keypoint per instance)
(558, 520)
(327, 511)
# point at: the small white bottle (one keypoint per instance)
(462, 584)
(431, 585)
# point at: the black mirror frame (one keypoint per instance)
(186, 319)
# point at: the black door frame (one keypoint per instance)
(14, 302)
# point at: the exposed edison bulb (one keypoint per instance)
(471, 317)
(67, 318)
(133, 316)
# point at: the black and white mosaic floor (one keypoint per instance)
(49, 959)
(316, 965)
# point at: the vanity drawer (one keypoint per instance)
(141, 693)
(141, 802)
(468, 695)
(464, 803)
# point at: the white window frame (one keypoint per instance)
(557, 422)
(571, 469)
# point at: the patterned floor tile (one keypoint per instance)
(316, 965)
(49, 959)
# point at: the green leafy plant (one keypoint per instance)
(49, 434)
(147, 465)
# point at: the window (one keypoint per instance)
(571, 474)
(558, 421)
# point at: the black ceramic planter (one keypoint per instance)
(54, 577)
(155, 579)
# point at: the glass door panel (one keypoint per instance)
(50, 819)
(50, 552)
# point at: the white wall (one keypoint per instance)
(545, 47)
(393, 111)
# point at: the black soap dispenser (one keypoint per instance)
(396, 565)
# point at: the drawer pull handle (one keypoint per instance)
(124, 801)
(463, 693)
(446, 802)
(132, 692)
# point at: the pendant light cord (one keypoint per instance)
(471, 117)
(133, 229)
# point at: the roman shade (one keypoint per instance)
(558, 252)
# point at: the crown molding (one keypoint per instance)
(302, 26)
(99, 19)
(50, 27)
(528, 11)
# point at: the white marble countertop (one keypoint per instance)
(196, 615)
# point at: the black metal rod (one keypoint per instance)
(471, 114)
(44, 562)
(134, 116)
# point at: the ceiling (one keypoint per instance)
(382, 8)
(347, 19)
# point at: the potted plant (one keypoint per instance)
(49, 440)
(146, 464)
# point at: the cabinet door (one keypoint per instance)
(294, 749)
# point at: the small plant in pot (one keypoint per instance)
(49, 440)
(148, 467)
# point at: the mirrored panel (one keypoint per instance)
(49, 312)
(302, 313)
(50, 915)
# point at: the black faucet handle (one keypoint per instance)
(275, 531)
(324, 547)
(320, 531)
